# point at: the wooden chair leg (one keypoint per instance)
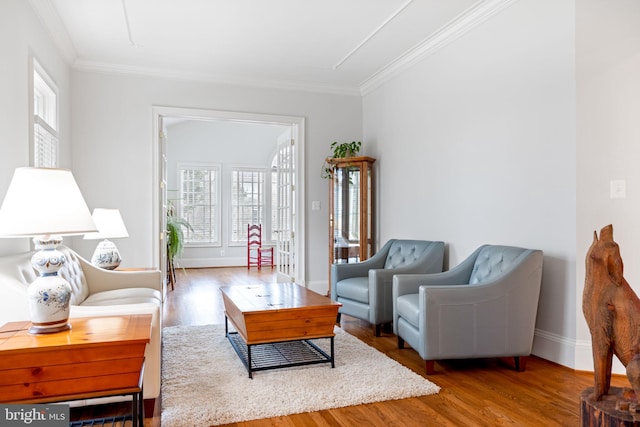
(378, 328)
(400, 343)
(521, 363)
(429, 367)
(388, 327)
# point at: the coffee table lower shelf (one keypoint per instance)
(103, 422)
(278, 355)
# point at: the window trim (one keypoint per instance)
(49, 120)
(49, 124)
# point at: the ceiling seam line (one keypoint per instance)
(370, 36)
(126, 20)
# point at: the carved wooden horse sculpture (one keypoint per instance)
(612, 311)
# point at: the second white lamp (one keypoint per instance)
(110, 226)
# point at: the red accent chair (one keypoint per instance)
(256, 254)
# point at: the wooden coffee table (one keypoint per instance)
(276, 323)
(97, 357)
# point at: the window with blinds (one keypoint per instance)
(248, 190)
(200, 203)
(45, 119)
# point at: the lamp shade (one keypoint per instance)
(44, 201)
(109, 223)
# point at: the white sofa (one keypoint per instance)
(96, 292)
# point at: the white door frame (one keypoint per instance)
(192, 113)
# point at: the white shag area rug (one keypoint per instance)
(204, 383)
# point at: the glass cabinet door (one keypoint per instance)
(351, 210)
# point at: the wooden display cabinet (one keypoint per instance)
(351, 216)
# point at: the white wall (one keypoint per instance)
(608, 132)
(112, 134)
(22, 36)
(476, 144)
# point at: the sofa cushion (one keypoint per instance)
(354, 288)
(124, 296)
(408, 307)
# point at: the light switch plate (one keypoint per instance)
(618, 188)
(315, 205)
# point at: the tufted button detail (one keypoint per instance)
(492, 261)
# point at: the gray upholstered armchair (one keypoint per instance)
(484, 307)
(364, 288)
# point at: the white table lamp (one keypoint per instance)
(45, 204)
(110, 226)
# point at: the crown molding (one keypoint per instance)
(54, 26)
(109, 68)
(472, 17)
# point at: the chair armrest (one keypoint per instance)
(345, 271)
(379, 279)
(429, 263)
(410, 283)
(100, 280)
(359, 269)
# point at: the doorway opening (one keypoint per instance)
(286, 172)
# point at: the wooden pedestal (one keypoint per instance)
(607, 412)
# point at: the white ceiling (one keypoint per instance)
(344, 46)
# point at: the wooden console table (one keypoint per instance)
(97, 357)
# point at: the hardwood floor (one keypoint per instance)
(486, 392)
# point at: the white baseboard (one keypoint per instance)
(319, 286)
(211, 262)
(575, 354)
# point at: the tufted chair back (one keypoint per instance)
(492, 261)
(405, 252)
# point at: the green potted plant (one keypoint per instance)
(175, 241)
(345, 149)
(341, 150)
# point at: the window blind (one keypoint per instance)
(199, 204)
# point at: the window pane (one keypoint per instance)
(45, 102)
(199, 203)
(45, 152)
(247, 201)
(45, 120)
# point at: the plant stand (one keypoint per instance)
(171, 273)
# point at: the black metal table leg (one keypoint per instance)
(141, 408)
(135, 408)
(333, 360)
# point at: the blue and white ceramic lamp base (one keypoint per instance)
(106, 255)
(49, 294)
